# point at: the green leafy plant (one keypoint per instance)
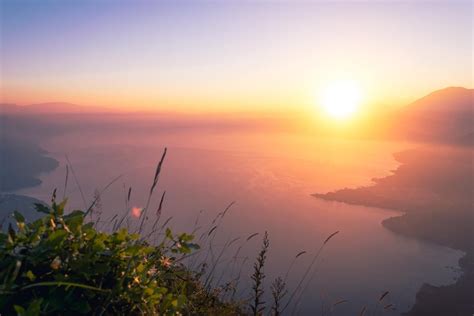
(60, 264)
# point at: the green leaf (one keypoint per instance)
(140, 268)
(186, 237)
(34, 308)
(20, 311)
(74, 220)
(121, 235)
(57, 237)
(18, 217)
(42, 208)
(60, 207)
(30, 275)
(14, 274)
(181, 300)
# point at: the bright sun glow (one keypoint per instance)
(341, 99)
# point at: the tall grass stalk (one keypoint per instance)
(308, 270)
(258, 305)
(279, 291)
(143, 214)
(77, 182)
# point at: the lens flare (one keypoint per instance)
(136, 211)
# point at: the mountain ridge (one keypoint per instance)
(51, 108)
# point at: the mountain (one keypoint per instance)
(9, 108)
(50, 108)
(443, 116)
(452, 99)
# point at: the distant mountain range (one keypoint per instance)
(452, 99)
(444, 116)
(50, 108)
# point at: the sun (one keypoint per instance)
(341, 99)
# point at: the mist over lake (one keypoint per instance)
(271, 178)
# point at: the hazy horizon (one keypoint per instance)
(343, 129)
(224, 57)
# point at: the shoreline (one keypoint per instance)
(427, 293)
(438, 213)
(23, 163)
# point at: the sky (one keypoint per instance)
(226, 56)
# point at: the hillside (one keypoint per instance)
(443, 116)
(451, 99)
(434, 187)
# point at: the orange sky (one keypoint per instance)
(222, 58)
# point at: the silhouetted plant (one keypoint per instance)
(258, 305)
(279, 291)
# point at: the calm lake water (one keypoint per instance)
(270, 177)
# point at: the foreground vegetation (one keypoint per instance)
(64, 264)
(60, 264)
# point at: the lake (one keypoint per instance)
(271, 177)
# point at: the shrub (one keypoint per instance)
(60, 264)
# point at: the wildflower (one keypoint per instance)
(165, 261)
(56, 263)
(152, 271)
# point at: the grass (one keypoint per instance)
(258, 305)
